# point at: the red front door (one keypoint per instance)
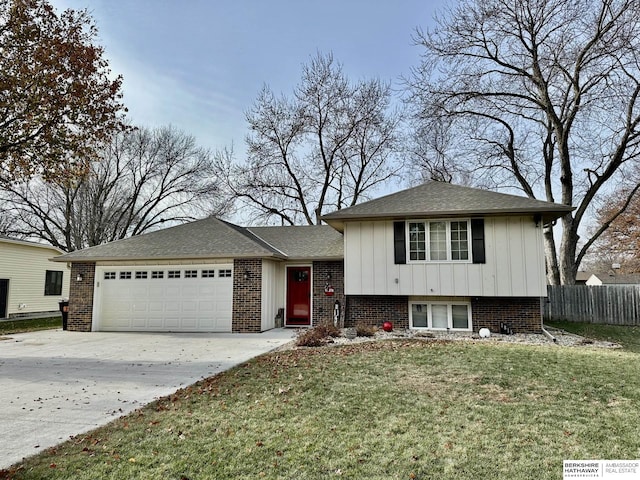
(298, 296)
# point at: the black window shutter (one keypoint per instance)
(399, 243)
(477, 240)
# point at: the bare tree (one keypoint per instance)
(325, 147)
(144, 179)
(541, 95)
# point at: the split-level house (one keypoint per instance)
(437, 256)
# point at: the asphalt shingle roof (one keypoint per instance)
(433, 199)
(28, 243)
(608, 279)
(311, 242)
(214, 238)
(207, 238)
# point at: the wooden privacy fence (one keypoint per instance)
(610, 304)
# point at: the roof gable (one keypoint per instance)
(440, 199)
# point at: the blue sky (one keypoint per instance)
(199, 64)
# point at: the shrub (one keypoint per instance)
(332, 330)
(363, 330)
(317, 336)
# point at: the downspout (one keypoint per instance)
(548, 335)
(544, 330)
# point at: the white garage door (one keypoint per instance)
(164, 298)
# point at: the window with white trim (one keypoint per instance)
(173, 274)
(440, 315)
(125, 275)
(157, 274)
(439, 241)
(225, 273)
(141, 275)
(191, 274)
(109, 275)
(208, 273)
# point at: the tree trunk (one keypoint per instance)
(567, 254)
(551, 257)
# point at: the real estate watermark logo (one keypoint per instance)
(604, 469)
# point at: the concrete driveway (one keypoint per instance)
(55, 384)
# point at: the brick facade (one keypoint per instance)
(247, 295)
(522, 314)
(374, 310)
(81, 297)
(323, 304)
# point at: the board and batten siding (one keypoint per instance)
(514, 263)
(25, 267)
(272, 292)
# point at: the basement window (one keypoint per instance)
(440, 316)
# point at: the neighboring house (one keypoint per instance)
(597, 279)
(437, 256)
(582, 277)
(29, 283)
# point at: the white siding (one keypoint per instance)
(273, 279)
(514, 263)
(25, 266)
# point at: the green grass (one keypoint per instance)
(627, 337)
(388, 410)
(30, 325)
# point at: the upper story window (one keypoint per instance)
(439, 240)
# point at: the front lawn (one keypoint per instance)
(405, 409)
(30, 325)
(628, 337)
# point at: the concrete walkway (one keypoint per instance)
(55, 384)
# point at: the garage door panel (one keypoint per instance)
(138, 323)
(156, 307)
(159, 303)
(172, 323)
(172, 307)
(155, 322)
(140, 307)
